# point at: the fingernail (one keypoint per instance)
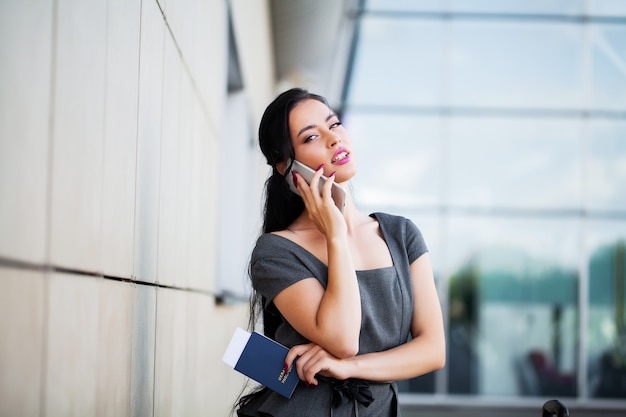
(307, 384)
(295, 181)
(333, 174)
(286, 368)
(320, 167)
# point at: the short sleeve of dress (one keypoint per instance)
(276, 264)
(415, 244)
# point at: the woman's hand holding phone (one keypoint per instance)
(316, 193)
(338, 193)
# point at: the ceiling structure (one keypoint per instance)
(312, 42)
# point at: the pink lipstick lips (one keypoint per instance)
(342, 156)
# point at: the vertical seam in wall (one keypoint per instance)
(103, 136)
(134, 276)
(158, 216)
(100, 246)
(48, 216)
(137, 136)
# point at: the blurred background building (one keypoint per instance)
(130, 190)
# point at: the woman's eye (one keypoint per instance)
(334, 125)
(309, 138)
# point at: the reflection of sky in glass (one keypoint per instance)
(607, 7)
(606, 171)
(609, 68)
(514, 241)
(494, 63)
(521, 163)
(424, 157)
(401, 160)
(398, 62)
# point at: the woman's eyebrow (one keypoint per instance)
(311, 126)
(304, 129)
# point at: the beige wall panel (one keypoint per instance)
(120, 140)
(226, 383)
(198, 364)
(205, 174)
(190, 377)
(78, 135)
(25, 56)
(201, 30)
(143, 345)
(181, 339)
(169, 250)
(149, 142)
(21, 332)
(115, 325)
(186, 197)
(72, 352)
(167, 330)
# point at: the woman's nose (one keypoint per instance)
(334, 139)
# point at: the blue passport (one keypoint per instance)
(262, 359)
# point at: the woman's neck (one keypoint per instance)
(351, 214)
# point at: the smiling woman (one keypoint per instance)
(352, 295)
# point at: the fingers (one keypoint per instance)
(311, 360)
(307, 187)
(299, 352)
(315, 196)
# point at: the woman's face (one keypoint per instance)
(318, 137)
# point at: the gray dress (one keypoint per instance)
(387, 309)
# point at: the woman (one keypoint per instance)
(352, 295)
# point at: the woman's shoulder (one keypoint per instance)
(269, 243)
(276, 245)
(399, 227)
(391, 220)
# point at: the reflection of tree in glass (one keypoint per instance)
(462, 360)
(518, 289)
(607, 273)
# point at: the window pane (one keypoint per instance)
(606, 174)
(609, 67)
(513, 306)
(481, 6)
(397, 62)
(516, 65)
(406, 5)
(516, 163)
(401, 160)
(607, 302)
(558, 7)
(607, 7)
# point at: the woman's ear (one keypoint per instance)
(281, 167)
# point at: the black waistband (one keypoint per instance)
(353, 390)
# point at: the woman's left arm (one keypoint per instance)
(424, 353)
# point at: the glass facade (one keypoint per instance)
(499, 128)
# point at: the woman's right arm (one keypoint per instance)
(329, 317)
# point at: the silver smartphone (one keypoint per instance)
(337, 191)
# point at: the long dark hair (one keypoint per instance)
(282, 206)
